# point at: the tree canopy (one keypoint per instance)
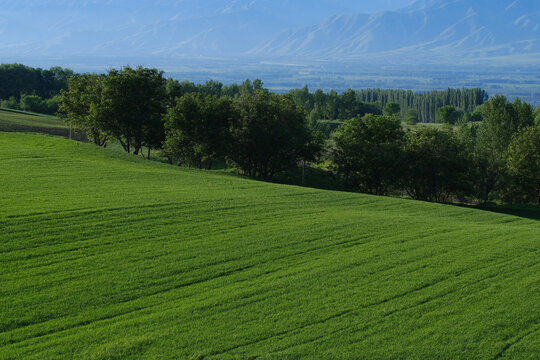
(524, 163)
(366, 152)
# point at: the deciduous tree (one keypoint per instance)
(367, 154)
(132, 104)
(524, 163)
(269, 135)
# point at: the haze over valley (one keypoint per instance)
(324, 44)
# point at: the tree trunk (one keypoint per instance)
(303, 171)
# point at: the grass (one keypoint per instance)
(22, 121)
(104, 255)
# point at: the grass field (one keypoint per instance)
(104, 255)
(22, 121)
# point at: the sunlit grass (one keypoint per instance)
(104, 255)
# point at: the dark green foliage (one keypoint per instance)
(434, 165)
(331, 105)
(177, 89)
(10, 103)
(503, 119)
(35, 103)
(326, 127)
(411, 117)
(366, 152)
(449, 115)
(32, 103)
(132, 105)
(197, 129)
(524, 165)
(125, 104)
(18, 79)
(81, 106)
(475, 116)
(269, 135)
(392, 109)
(486, 144)
(426, 104)
(537, 116)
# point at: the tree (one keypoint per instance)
(366, 152)
(475, 116)
(448, 115)
(411, 117)
(176, 89)
(302, 98)
(80, 106)
(434, 164)
(211, 87)
(249, 87)
(10, 103)
(488, 141)
(18, 79)
(524, 163)
(197, 129)
(503, 119)
(347, 105)
(269, 135)
(32, 103)
(132, 105)
(537, 116)
(392, 109)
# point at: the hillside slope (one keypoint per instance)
(21, 121)
(108, 256)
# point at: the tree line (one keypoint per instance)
(426, 104)
(496, 158)
(263, 134)
(412, 107)
(258, 132)
(32, 89)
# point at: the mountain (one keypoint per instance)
(158, 28)
(323, 29)
(435, 27)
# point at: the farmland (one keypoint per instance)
(104, 255)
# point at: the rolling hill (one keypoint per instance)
(105, 255)
(22, 121)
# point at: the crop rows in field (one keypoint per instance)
(104, 255)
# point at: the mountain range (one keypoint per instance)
(321, 29)
(473, 28)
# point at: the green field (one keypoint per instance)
(15, 120)
(104, 255)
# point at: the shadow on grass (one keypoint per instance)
(76, 134)
(525, 211)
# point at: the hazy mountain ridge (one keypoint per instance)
(455, 27)
(268, 28)
(161, 27)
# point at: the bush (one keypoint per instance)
(10, 103)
